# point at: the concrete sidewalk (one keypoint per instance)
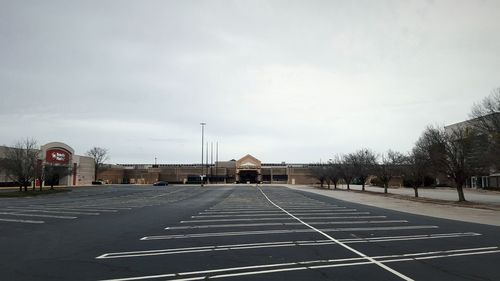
(440, 193)
(446, 211)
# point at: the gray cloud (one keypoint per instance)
(287, 81)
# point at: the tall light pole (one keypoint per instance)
(211, 159)
(217, 161)
(202, 144)
(206, 161)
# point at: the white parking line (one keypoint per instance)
(189, 250)
(280, 224)
(71, 209)
(339, 212)
(273, 211)
(107, 207)
(488, 250)
(21, 221)
(282, 231)
(284, 218)
(313, 264)
(322, 232)
(266, 207)
(50, 212)
(36, 215)
(271, 207)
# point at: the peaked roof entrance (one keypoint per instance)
(248, 162)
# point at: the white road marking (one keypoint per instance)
(36, 215)
(399, 274)
(280, 224)
(267, 207)
(272, 211)
(271, 208)
(491, 251)
(347, 212)
(284, 218)
(188, 250)
(107, 207)
(282, 231)
(314, 264)
(51, 212)
(21, 221)
(70, 209)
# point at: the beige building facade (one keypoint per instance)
(247, 169)
(57, 164)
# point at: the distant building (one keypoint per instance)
(80, 169)
(490, 176)
(248, 169)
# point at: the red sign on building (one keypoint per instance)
(56, 155)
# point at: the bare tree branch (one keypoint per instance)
(100, 156)
(391, 165)
(486, 121)
(347, 171)
(364, 162)
(20, 162)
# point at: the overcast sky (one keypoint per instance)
(294, 81)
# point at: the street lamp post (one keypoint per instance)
(202, 142)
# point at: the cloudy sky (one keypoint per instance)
(294, 81)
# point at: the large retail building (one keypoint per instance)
(248, 169)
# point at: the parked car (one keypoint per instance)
(98, 182)
(161, 183)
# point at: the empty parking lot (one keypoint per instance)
(235, 232)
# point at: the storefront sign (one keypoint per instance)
(57, 156)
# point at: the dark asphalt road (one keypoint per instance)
(232, 233)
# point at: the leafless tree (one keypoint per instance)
(452, 153)
(417, 166)
(334, 173)
(347, 171)
(486, 122)
(391, 165)
(20, 162)
(364, 162)
(100, 156)
(319, 171)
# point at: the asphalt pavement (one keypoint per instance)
(233, 232)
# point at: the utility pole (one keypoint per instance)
(211, 158)
(207, 162)
(217, 161)
(202, 142)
